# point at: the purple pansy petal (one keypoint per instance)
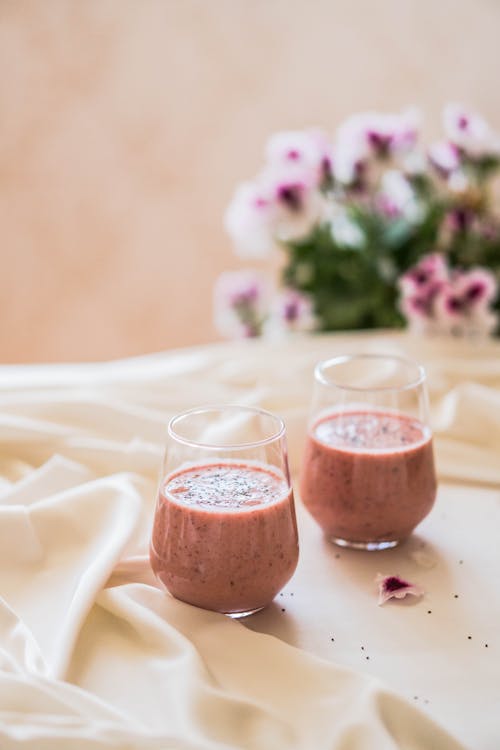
(392, 586)
(291, 195)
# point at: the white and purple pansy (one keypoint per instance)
(281, 205)
(464, 303)
(372, 134)
(429, 274)
(470, 132)
(292, 311)
(241, 303)
(304, 151)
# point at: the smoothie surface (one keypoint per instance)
(226, 486)
(370, 431)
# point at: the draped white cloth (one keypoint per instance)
(94, 655)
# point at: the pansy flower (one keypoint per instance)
(279, 206)
(291, 310)
(465, 302)
(419, 288)
(241, 303)
(429, 274)
(306, 152)
(296, 204)
(470, 132)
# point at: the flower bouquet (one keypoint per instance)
(375, 230)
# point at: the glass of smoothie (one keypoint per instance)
(368, 474)
(225, 534)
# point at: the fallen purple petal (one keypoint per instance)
(395, 587)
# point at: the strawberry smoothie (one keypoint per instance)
(225, 535)
(368, 476)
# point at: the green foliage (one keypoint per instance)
(357, 287)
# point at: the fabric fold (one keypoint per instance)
(94, 655)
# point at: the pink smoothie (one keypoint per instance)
(225, 536)
(368, 476)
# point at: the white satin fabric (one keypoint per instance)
(94, 655)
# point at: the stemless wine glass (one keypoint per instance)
(225, 534)
(368, 473)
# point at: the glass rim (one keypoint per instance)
(277, 435)
(320, 376)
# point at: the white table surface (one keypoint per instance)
(441, 652)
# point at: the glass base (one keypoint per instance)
(241, 615)
(368, 546)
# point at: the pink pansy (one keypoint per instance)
(429, 273)
(418, 310)
(241, 303)
(454, 316)
(435, 298)
(292, 311)
(395, 587)
(305, 151)
(444, 157)
(478, 286)
(464, 303)
(419, 288)
(249, 220)
(470, 132)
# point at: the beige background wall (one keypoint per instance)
(124, 125)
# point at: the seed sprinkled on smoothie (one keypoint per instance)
(228, 486)
(369, 431)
